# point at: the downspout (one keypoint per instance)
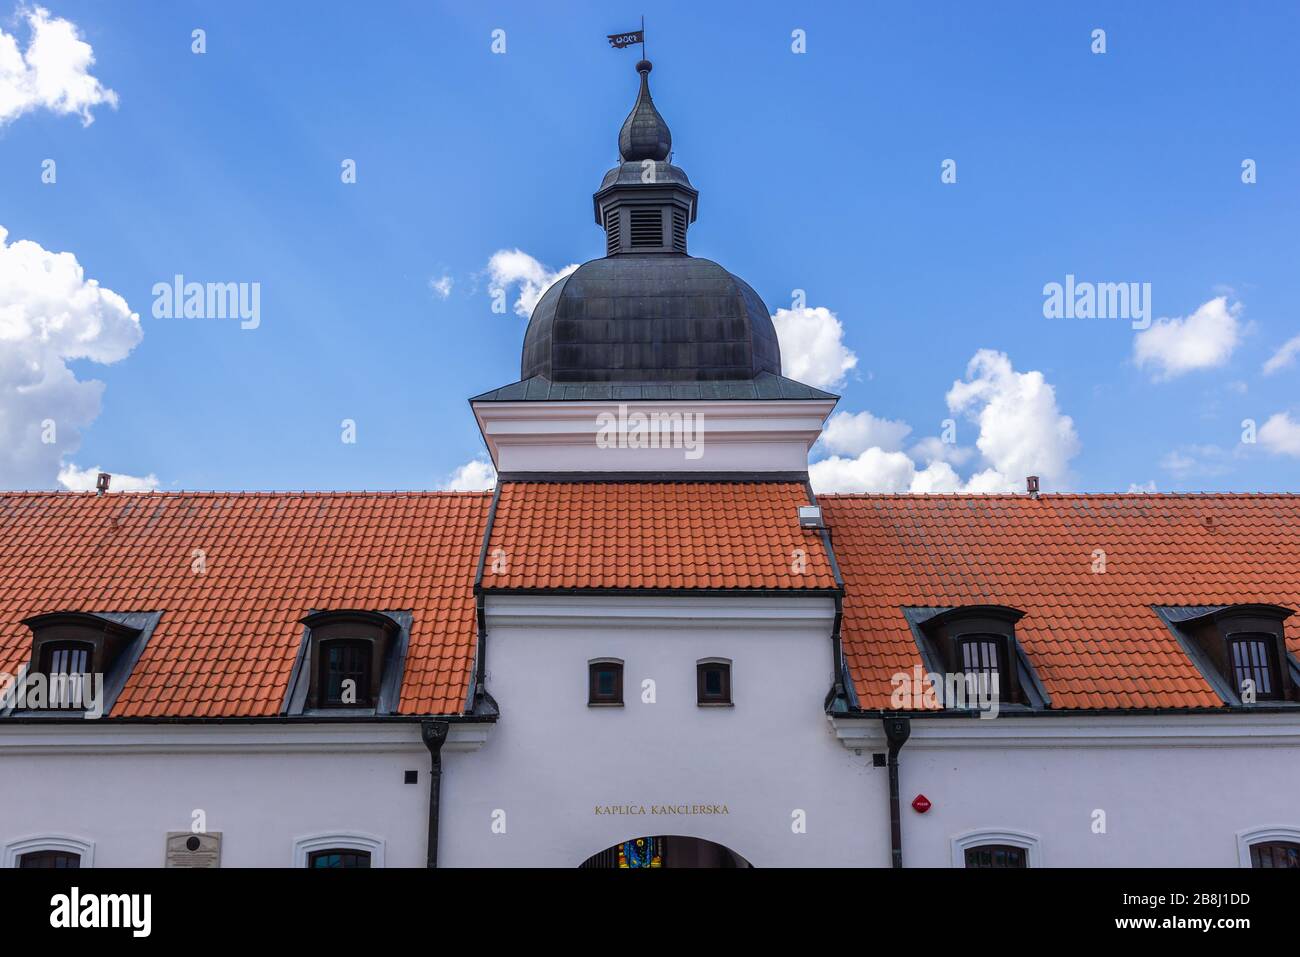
(897, 731)
(480, 701)
(434, 735)
(841, 693)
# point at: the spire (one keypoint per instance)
(645, 135)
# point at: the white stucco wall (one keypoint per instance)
(123, 789)
(1175, 790)
(552, 759)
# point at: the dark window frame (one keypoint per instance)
(50, 858)
(705, 698)
(597, 698)
(359, 854)
(1259, 648)
(360, 669)
(1273, 851)
(999, 855)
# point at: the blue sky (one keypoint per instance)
(817, 171)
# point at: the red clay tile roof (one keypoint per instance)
(653, 535)
(227, 639)
(1093, 638)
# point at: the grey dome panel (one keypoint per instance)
(653, 318)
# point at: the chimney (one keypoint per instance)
(1031, 485)
(101, 483)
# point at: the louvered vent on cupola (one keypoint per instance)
(679, 231)
(647, 228)
(612, 233)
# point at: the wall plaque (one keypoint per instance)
(187, 849)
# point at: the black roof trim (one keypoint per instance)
(764, 386)
(800, 478)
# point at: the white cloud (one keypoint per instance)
(1146, 488)
(1197, 460)
(1203, 340)
(812, 346)
(51, 313)
(83, 480)
(850, 434)
(1021, 430)
(934, 449)
(1281, 434)
(475, 475)
(51, 74)
(510, 267)
(1284, 356)
(441, 286)
(875, 470)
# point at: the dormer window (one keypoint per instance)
(80, 661)
(1241, 650)
(975, 645)
(348, 651)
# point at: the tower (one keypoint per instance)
(650, 360)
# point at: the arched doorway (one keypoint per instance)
(664, 851)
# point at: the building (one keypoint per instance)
(651, 644)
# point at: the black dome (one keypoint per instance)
(651, 318)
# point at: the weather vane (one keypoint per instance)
(620, 40)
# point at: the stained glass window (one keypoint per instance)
(641, 852)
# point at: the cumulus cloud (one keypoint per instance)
(1284, 357)
(1146, 488)
(52, 73)
(1203, 340)
(847, 433)
(1281, 435)
(475, 475)
(83, 480)
(1021, 432)
(441, 286)
(812, 346)
(514, 267)
(51, 313)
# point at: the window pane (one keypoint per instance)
(1282, 854)
(43, 859)
(996, 855)
(605, 683)
(339, 857)
(347, 661)
(1252, 660)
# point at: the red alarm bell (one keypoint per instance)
(921, 804)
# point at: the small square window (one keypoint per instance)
(713, 682)
(605, 683)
